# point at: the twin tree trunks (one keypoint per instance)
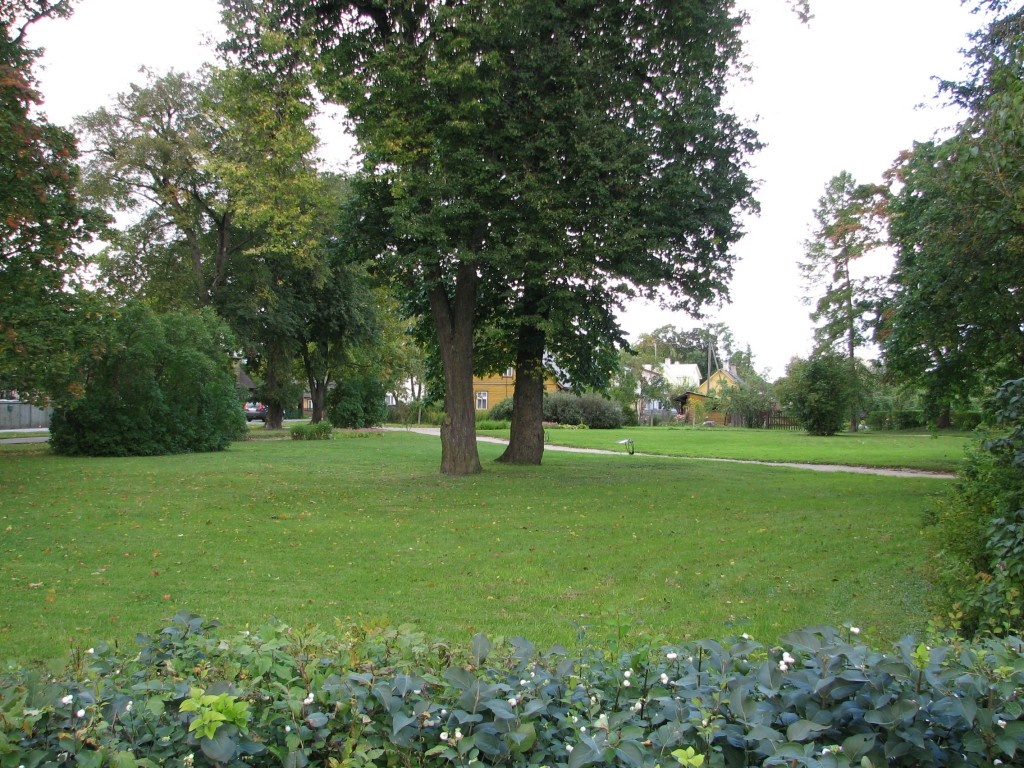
(453, 319)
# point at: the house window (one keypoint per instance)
(481, 400)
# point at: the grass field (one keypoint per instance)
(940, 452)
(366, 529)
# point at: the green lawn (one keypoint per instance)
(366, 529)
(940, 452)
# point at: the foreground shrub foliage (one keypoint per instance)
(978, 530)
(194, 695)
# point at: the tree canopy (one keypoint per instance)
(229, 211)
(43, 224)
(530, 165)
(955, 321)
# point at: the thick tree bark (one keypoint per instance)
(317, 395)
(453, 319)
(317, 388)
(526, 441)
(277, 361)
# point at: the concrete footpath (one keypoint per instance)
(436, 432)
(23, 436)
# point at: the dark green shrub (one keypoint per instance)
(629, 417)
(591, 410)
(967, 420)
(194, 695)
(818, 393)
(356, 403)
(908, 419)
(979, 528)
(322, 430)
(162, 384)
(563, 408)
(879, 420)
(502, 411)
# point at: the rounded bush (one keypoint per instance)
(818, 393)
(356, 403)
(591, 410)
(502, 411)
(162, 384)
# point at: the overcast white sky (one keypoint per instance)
(842, 93)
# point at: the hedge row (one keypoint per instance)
(194, 695)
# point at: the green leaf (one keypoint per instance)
(801, 730)
(481, 648)
(583, 754)
(89, 759)
(858, 745)
(460, 678)
(524, 737)
(891, 714)
(222, 747)
(317, 720)
(123, 760)
(402, 721)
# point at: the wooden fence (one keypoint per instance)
(778, 420)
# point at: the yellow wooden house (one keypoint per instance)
(490, 390)
(694, 406)
(719, 380)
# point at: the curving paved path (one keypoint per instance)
(436, 432)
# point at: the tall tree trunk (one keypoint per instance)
(318, 394)
(851, 350)
(526, 441)
(317, 387)
(277, 362)
(453, 320)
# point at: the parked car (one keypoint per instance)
(255, 411)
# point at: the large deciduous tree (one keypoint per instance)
(227, 209)
(149, 157)
(42, 224)
(850, 225)
(955, 321)
(531, 164)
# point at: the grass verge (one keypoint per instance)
(366, 529)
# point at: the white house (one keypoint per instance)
(685, 375)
